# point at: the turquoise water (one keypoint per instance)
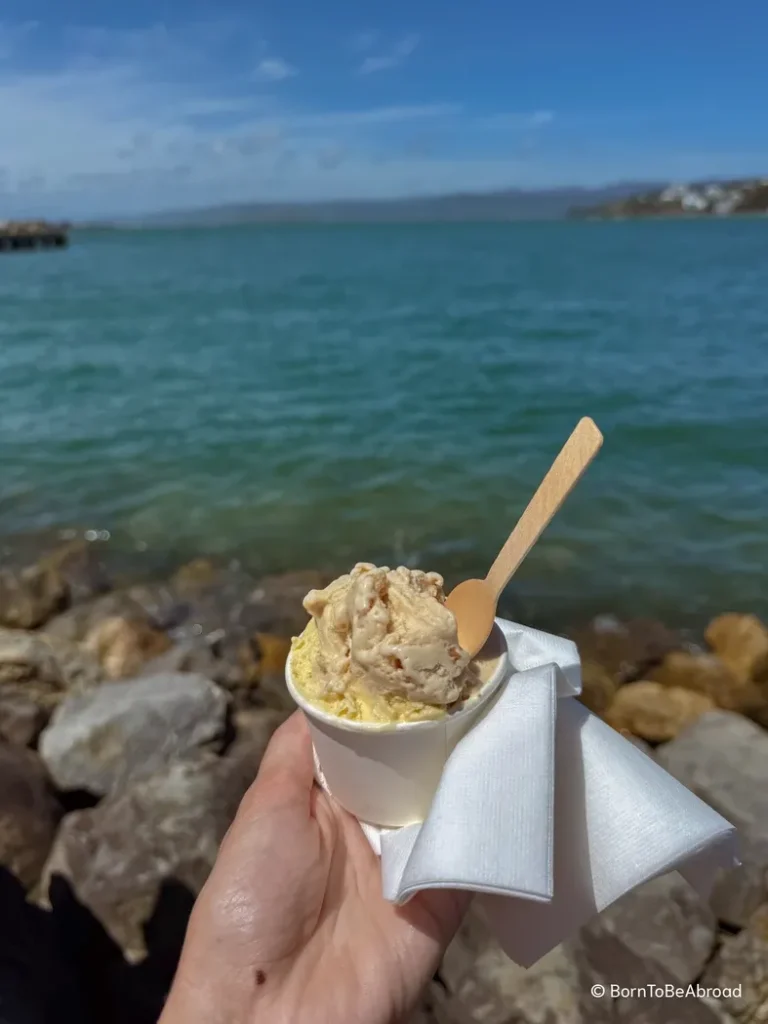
(302, 396)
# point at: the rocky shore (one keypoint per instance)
(134, 714)
(700, 199)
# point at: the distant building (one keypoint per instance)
(673, 193)
(693, 201)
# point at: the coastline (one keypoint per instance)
(134, 713)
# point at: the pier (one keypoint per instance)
(32, 234)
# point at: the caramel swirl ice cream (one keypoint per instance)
(382, 647)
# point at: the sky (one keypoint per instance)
(119, 109)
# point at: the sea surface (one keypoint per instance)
(312, 396)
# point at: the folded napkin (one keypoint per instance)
(548, 813)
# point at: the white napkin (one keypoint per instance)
(548, 812)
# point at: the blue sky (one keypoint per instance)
(118, 108)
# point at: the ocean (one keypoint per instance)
(311, 396)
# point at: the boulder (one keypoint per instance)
(123, 646)
(665, 921)
(253, 730)
(723, 758)
(660, 934)
(478, 982)
(29, 814)
(165, 827)
(120, 731)
(261, 681)
(598, 687)
(30, 596)
(741, 642)
(229, 598)
(626, 650)
(21, 719)
(709, 675)
(196, 655)
(741, 964)
(44, 668)
(80, 564)
(76, 623)
(654, 712)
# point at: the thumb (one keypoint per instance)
(287, 770)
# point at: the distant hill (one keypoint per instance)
(700, 199)
(511, 204)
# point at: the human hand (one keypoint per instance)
(291, 925)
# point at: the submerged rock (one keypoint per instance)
(120, 731)
(29, 814)
(654, 712)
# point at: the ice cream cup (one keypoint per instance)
(388, 774)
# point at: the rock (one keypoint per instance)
(123, 646)
(21, 719)
(29, 814)
(43, 668)
(643, 985)
(253, 731)
(742, 964)
(76, 623)
(229, 598)
(741, 642)
(655, 712)
(598, 687)
(480, 983)
(195, 576)
(625, 649)
(282, 596)
(118, 732)
(81, 567)
(666, 921)
(167, 826)
(723, 758)
(261, 680)
(30, 596)
(196, 655)
(707, 674)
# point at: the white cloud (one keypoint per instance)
(154, 118)
(394, 57)
(275, 69)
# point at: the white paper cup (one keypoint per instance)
(388, 774)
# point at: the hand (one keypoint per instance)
(291, 926)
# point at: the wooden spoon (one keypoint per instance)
(473, 602)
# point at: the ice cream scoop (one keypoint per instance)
(473, 602)
(382, 646)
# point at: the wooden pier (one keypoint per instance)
(32, 234)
